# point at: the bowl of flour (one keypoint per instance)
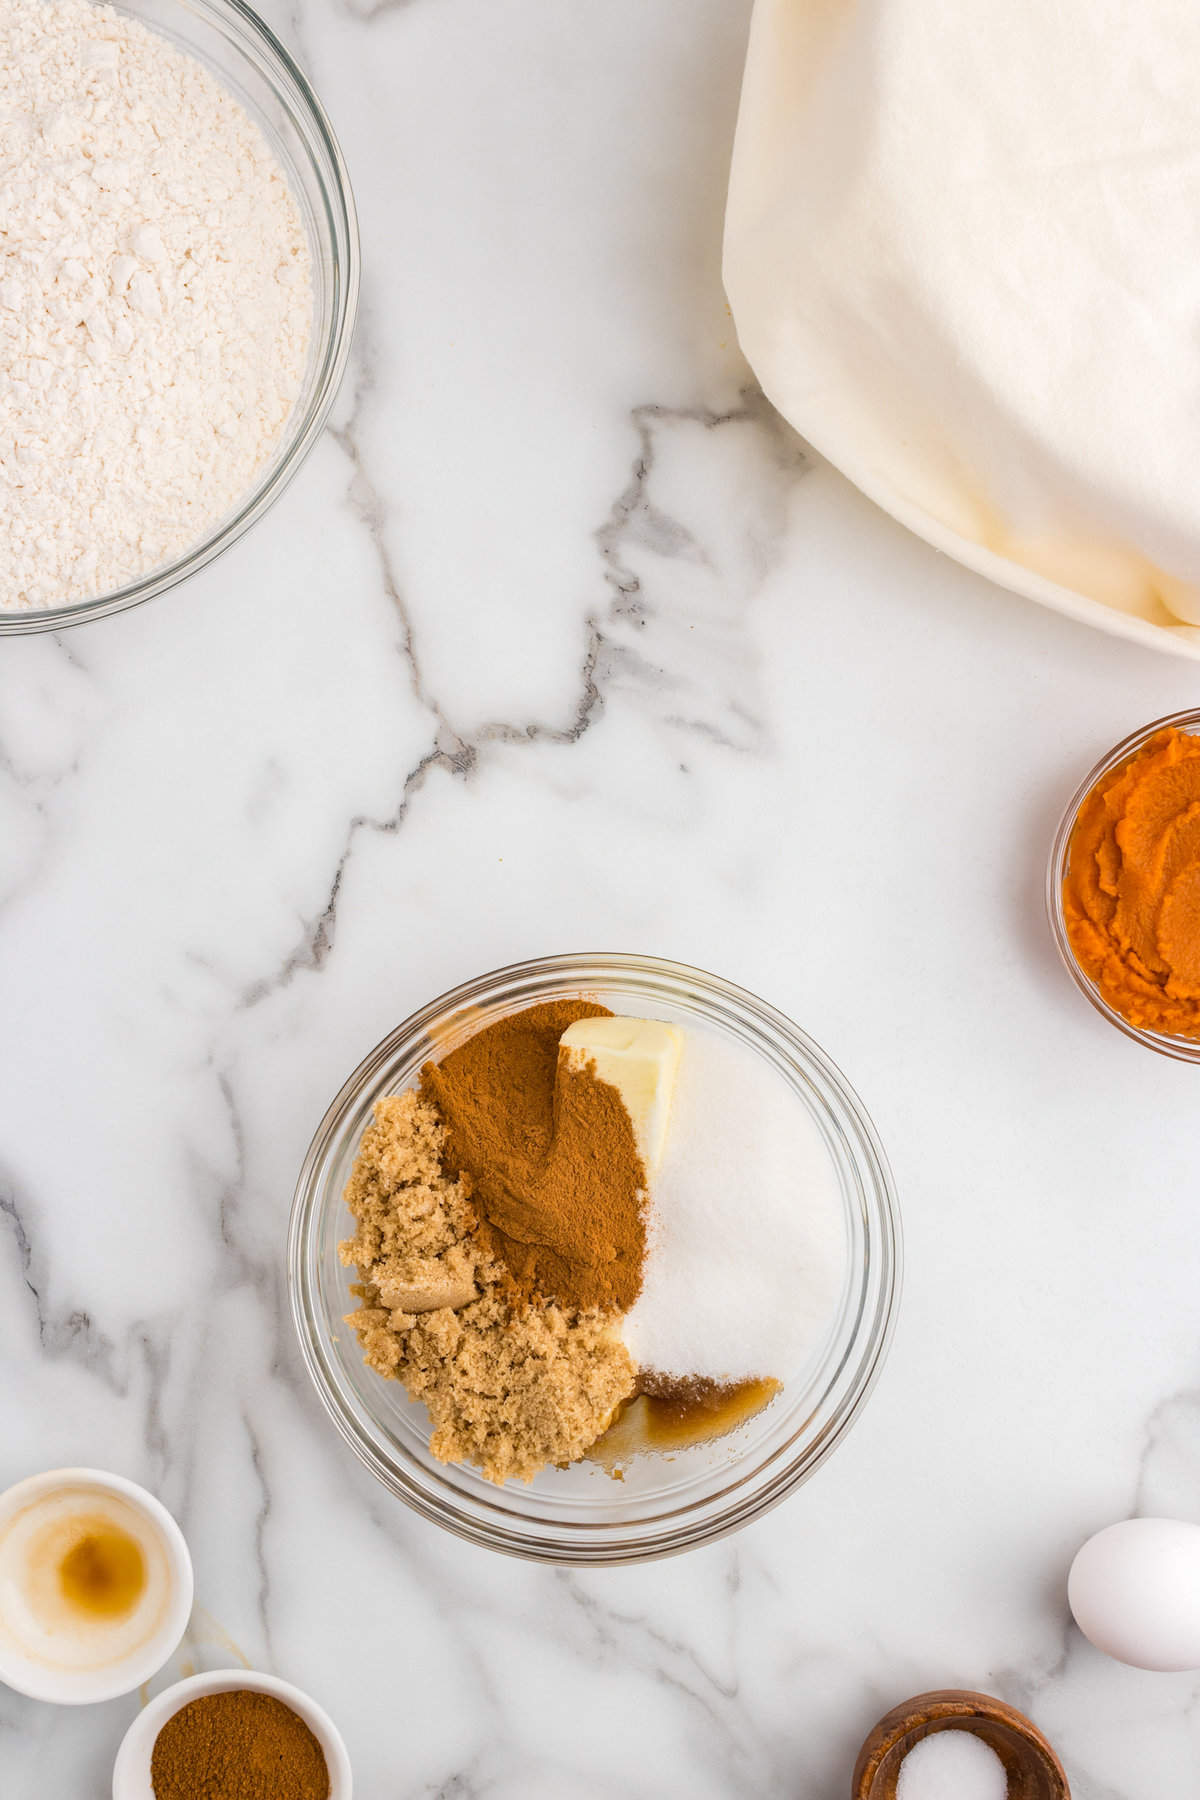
(178, 284)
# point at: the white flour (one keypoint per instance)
(155, 301)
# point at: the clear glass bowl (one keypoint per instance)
(251, 62)
(665, 1503)
(1183, 1048)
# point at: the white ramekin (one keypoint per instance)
(131, 1772)
(82, 1687)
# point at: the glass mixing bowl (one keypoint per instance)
(665, 1503)
(251, 62)
(1184, 1049)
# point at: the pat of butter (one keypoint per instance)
(640, 1058)
(425, 1284)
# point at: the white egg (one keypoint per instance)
(1134, 1589)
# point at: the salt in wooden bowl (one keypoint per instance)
(1034, 1771)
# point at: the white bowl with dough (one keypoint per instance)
(960, 254)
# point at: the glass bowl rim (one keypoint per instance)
(1179, 1048)
(865, 1347)
(296, 94)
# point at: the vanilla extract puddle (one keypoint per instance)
(669, 1413)
(102, 1574)
(616, 1196)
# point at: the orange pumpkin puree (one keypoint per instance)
(1131, 894)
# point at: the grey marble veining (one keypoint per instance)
(560, 640)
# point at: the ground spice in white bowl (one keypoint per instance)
(238, 1745)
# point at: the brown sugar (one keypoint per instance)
(551, 1156)
(510, 1383)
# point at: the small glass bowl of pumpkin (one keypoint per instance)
(1123, 886)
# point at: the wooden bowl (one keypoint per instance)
(1034, 1771)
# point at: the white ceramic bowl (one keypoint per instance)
(849, 459)
(131, 1772)
(81, 1687)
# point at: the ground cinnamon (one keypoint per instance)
(238, 1745)
(552, 1161)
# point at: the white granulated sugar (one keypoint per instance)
(746, 1250)
(155, 301)
(952, 1765)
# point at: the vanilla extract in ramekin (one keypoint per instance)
(95, 1586)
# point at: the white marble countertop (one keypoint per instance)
(559, 641)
